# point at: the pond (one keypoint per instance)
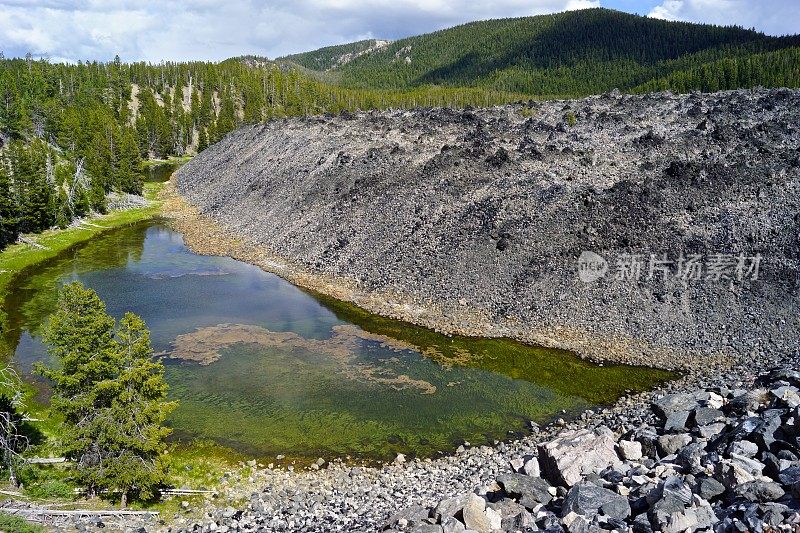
(265, 368)
(160, 172)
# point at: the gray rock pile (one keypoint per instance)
(718, 459)
(473, 221)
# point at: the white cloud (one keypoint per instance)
(775, 17)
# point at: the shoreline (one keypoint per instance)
(16, 259)
(204, 236)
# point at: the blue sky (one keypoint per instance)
(154, 30)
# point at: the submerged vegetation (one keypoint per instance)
(264, 369)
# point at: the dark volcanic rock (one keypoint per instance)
(440, 206)
(520, 485)
(588, 499)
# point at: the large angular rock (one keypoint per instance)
(475, 516)
(670, 444)
(588, 499)
(427, 528)
(788, 395)
(674, 486)
(704, 416)
(412, 515)
(790, 476)
(709, 488)
(692, 519)
(677, 422)
(760, 491)
(630, 450)
(520, 485)
(731, 474)
(531, 467)
(566, 459)
(449, 507)
(451, 525)
(674, 403)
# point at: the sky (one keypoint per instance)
(155, 30)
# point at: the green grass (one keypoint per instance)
(15, 524)
(174, 160)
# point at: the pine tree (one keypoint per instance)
(8, 207)
(138, 411)
(202, 142)
(111, 394)
(129, 164)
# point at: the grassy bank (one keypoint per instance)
(196, 465)
(174, 160)
(16, 258)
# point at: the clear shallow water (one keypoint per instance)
(267, 368)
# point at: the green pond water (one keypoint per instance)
(160, 172)
(270, 369)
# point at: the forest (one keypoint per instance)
(70, 134)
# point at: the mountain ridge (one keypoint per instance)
(573, 53)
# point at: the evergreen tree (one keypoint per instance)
(8, 207)
(111, 393)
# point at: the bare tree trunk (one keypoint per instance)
(123, 501)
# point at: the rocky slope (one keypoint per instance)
(474, 221)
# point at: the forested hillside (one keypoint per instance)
(574, 53)
(333, 57)
(70, 134)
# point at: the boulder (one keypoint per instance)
(520, 485)
(760, 491)
(677, 422)
(495, 519)
(674, 486)
(412, 515)
(711, 430)
(449, 507)
(451, 525)
(731, 474)
(531, 467)
(566, 459)
(588, 499)
(704, 416)
(692, 519)
(674, 403)
(630, 450)
(709, 488)
(744, 448)
(790, 476)
(522, 521)
(670, 444)
(788, 395)
(427, 528)
(475, 516)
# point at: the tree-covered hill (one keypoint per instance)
(333, 57)
(565, 54)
